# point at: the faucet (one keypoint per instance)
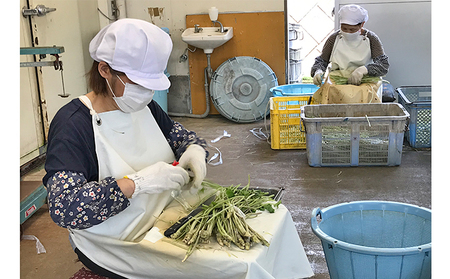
(221, 26)
(197, 28)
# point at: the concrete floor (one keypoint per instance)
(245, 155)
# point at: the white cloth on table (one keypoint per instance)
(284, 258)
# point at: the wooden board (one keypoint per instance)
(259, 34)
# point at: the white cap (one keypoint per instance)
(353, 14)
(137, 48)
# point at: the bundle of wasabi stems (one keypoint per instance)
(340, 77)
(225, 218)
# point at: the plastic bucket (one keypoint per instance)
(161, 95)
(302, 89)
(375, 239)
(161, 98)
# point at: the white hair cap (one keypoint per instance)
(353, 14)
(137, 48)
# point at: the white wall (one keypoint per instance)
(174, 13)
(89, 26)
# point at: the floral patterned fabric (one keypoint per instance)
(179, 139)
(84, 273)
(78, 204)
(76, 198)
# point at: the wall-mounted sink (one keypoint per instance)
(208, 38)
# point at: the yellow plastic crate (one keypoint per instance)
(286, 128)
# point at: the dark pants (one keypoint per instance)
(95, 268)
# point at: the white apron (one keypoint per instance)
(125, 245)
(349, 55)
(126, 143)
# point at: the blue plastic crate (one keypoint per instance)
(32, 203)
(298, 89)
(417, 101)
(375, 239)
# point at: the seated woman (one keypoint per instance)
(110, 172)
(352, 51)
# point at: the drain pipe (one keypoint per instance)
(208, 73)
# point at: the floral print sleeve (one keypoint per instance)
(180, 138)
(76, 203)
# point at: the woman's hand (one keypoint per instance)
(158, 178)
(317, 79)
(194, 158)
(357, 75)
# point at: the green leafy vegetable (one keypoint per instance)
(340, 80)
(225, 218)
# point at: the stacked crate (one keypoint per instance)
(417, 101)
(286, 128)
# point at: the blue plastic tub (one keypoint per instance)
(375, 239)
(298, 89)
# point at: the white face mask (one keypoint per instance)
(351, 36)
(134, 98)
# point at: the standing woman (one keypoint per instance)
(110, 152)
(352, 49)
